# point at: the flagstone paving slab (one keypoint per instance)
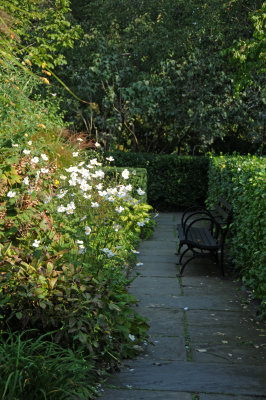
(193, 377)
(164, 235)
(158, 258)
(147, 285)
(221, 318)
(207, 302)
(157, 269)
(224, 397)
(153, 300)
(165, 348)
(163, 321)
(112, 394)
(157, 244)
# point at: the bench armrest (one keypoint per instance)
(192, 212)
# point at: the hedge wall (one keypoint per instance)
(242, 181)
(174, 182)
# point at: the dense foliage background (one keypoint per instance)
(164, 76)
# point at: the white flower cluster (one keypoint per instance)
(108, 252)
(69, 209)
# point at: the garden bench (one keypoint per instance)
(204, 231)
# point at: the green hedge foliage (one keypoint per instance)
(241, 180)
(173, 182)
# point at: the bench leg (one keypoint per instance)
(183, 266)
(179, 249)
(182, 255)
(222, 262)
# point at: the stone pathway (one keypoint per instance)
(206, 346)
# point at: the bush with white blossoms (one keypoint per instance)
(68, 235)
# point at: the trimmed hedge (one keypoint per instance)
(174, 182)
(242, 181)
(137, 178)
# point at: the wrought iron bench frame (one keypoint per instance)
(208, 241)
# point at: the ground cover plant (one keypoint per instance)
(67, 236)
(241, 180)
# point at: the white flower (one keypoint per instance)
(117, 227)
(79, 241)
(119, 209)
(72, 182)
(131, 337)
(44, 170)
(99, 174)
(44, 157)
(135, 251)
(11, 194)
(140, 192)
(125, 174)
(61, 194)
(75, 154)
(84, 186)
(81, 249)
(97, 144)
(129, 188)
(95, 205)
(36, 243)
(139, 264)
(72, 169)
(25, 180)
(141, 223)
(87, 196)
(26, 152)
(30, 190)
(84, 217)
(63, 177)
(71, 205)
(87, 230)
(99, 186)
(35, 160)
(102, 193)
(15, 145)
(108, 252)
(30, 143)
(94, 161)
(110, 158)
(61, 208)
(134, 172)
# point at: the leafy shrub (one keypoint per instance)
(174, 182)
(63, 265)
(40, 369)
(67, 235)
(241, 180)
